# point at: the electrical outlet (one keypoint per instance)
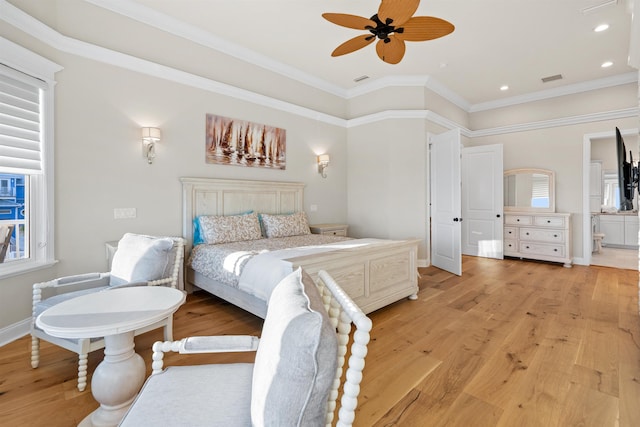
(124, 213)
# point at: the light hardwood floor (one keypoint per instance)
(509, 343)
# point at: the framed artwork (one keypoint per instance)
(242, 143)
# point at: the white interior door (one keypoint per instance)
(482, 204)
(445, 201)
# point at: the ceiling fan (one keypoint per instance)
(392, 25)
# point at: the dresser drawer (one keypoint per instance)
(549, 221)
(335, 233)
(510, 233)
(548, 250)
(542, 235)
(510, 247)
(518, 220)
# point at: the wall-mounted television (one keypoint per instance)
(627, 174)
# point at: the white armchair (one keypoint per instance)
(139, 261)
(295, 380)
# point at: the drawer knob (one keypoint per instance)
(518, 220)
(555, 235)
(527, 247)
(555, 250)
(548, 222)
(527, 234)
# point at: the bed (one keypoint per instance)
(374, 272)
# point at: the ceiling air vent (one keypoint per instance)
(551, 78)
(361, 78)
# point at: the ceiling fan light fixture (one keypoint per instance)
(393, 25)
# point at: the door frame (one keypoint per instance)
(587, 139)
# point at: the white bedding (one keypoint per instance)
(257, 266)
(264, 271)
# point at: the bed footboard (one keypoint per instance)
(374, 276)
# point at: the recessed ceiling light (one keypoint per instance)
(504, 87)
(601, 27)
(607, 64)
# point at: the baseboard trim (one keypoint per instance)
(13, 332)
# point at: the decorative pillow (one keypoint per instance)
(197, 233)
(285, 225)
(140, 259)
(233, 228)
(296, 361)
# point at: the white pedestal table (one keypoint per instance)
(113, 314)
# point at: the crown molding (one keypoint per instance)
(47, 35)
(166, 23)
(572, 89)
(563, 121)
(427, 82)
(27, 62)
(409, 114)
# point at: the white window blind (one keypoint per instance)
(540, 186)
(20, 131)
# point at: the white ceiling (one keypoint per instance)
(495, 43)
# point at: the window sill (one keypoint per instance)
(16, 268)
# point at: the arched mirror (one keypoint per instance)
(529, 190)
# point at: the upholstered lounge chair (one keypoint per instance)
(139, 261)
(296, 377)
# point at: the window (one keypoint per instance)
(540, 191)
(26, 156)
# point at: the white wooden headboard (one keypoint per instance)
(212, 196)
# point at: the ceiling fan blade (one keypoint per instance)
(391, 52)
(398, 10)
(349, 21)
(353, 44)
(421, 28)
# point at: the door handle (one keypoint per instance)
(498, 216)
(455, 219)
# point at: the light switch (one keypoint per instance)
(124, 213)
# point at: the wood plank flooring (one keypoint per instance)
(509, 343)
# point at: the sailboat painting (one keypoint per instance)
(242, 143)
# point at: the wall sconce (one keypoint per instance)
(323, 162)
(149, 138)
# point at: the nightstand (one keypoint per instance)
(329, 229)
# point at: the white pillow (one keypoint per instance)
(140, 259)
(216, 229)
(294, 224)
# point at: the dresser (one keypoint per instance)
(543, 236)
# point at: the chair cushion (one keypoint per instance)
(201, 395)
(57, 299)
(296, 360)
(140, 259)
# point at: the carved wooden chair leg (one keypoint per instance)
(35, 352)
(82, 371)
